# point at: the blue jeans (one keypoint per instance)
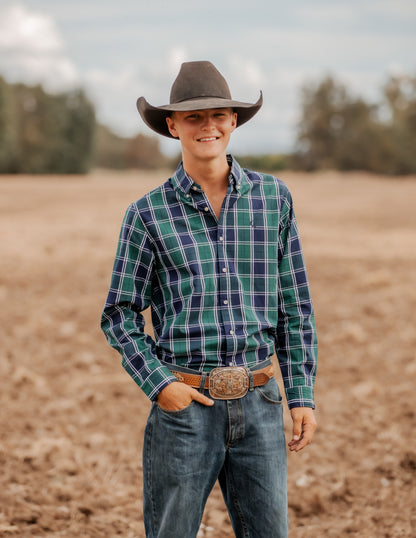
(239, 442)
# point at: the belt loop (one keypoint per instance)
(251, 381)
(203, 379)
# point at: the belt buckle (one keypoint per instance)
(228, 383)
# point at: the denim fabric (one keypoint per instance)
(239, 442)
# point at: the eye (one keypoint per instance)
(221, 116)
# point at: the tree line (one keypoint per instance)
(140, 151)
(341, 131)
(44, 133)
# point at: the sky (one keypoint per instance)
(120, 50)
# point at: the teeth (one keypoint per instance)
(207, 139)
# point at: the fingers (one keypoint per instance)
(297, 426)
(173, 397)
(304, 426)
(177, 396)
(201, 398)
(296, 433)
(299, 442)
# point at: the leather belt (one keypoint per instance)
(228, 382)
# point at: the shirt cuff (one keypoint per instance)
(156, 381)
(300, 397)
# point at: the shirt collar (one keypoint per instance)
(184, 183)
(236, 174)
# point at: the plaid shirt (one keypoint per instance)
(227, 291)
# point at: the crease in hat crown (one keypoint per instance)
(198, 86)
(199, 79)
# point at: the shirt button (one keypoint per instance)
(206, 209)
(221, 238)
(224, 269)
(188, 195)
(225, 301)
(194, 188)
(231, 332)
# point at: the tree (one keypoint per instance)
(338, 130)
(112, 151)
(8, 135)
(144, 152)
(43, 133)
(399, 106)
(55, 132)
(321, 122)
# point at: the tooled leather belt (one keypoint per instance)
(228, 382)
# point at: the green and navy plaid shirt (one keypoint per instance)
(227, 291)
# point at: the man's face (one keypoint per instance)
(204, 134)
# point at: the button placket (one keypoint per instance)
(223, 295)
(224, 284)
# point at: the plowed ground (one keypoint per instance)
(72, 421)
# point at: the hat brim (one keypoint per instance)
(155, 117)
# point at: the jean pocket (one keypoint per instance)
(270, 392)
(177, 413)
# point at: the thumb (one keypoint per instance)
(201, 398)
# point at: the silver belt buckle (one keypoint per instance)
(228, 383)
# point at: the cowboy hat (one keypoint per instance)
(198, 86)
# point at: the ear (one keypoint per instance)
(171, 127)
(233, 120)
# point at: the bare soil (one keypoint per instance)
(72, 421)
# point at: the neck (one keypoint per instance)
(211, 174)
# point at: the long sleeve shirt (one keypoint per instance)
(227, 291)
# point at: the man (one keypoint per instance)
(215, 253)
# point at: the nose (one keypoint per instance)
(207, 121)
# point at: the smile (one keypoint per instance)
(207, 139)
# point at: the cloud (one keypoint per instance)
(22, 30)
(275, 47)
(177, 56)
(247, 71)
(399, 9)
(115, 90)
(328, 14)
(114, 94)
(32, 50)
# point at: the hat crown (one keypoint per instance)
(197, 80)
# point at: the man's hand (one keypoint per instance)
(177, 396)
(304, 424)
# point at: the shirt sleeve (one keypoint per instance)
(130, 294)
(296, 333)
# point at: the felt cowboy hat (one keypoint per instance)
(198, 86)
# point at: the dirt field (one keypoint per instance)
(72, 420)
